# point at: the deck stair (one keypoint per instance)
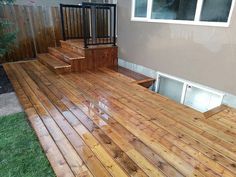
(54, 64)
(74, 45)
(73, 57)
(64, 54)
(138, 78)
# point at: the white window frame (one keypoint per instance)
(196, 20)
(186, 84)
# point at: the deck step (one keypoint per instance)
(138, 78)
(73, 45)
(64, 54)
(54, 64)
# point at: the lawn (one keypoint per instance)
(20, 151)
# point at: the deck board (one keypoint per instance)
(100, 123)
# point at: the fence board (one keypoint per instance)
(39, 27)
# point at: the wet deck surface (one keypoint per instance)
(102, 124)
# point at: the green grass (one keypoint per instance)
(20, 151)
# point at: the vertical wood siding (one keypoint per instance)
(38, 27)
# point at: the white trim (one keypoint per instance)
(231, 11)
(198, 10)
(133, 9)
(183, 22)
(185, 86)
(196, 20)
(157, 85)
(149, 9)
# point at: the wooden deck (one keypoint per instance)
(103, 124)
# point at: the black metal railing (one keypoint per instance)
(72, 21)
(93, 22)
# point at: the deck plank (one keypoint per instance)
(127, 163)
(85, 153)
(140, 122)
(45, 111)
(55, 157)
(100, 123)
(209, 131)
(87, 137)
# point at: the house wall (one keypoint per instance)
(206, 55)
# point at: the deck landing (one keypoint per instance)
(102, 124)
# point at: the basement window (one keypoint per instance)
(193, 12)
(170, 88)
(190, 94)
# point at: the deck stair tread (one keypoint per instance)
(75, 46)
(214, 111)
(54, 63)
(74, 43)
(65, 54)
(80, 45)
(137, 77)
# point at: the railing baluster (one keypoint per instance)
(73, 21)
(94, 22)
(77, 22)
(114, 33)
(103, 24)
(67, 31)
(80, 23)
(85, 28)
(110, 26)
(62, 22)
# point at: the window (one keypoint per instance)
(140, 8)
(198, 12)
(215, 10)
(201, 100)
(170, 88)
(174, 9)
(190, 94)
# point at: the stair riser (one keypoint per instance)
(73, 48)
(59, 55)
(78, 65)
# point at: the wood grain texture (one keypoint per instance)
(214, 111)
(99, 123)
(95, 56)
(37, 29)
(138, 78)
(54, 64)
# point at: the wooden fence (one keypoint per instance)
(38, 28)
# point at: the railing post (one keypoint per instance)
(114, 30)
(62, 22)
(84, 26)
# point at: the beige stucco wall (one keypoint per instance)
(206, 55)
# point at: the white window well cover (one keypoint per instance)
(201, 100)
(190, 94)
(170, 88)
(195, 12)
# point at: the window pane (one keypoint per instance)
(174, 9)
(201, 100)
(140, 8)
(171, 88)
(216, 10)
